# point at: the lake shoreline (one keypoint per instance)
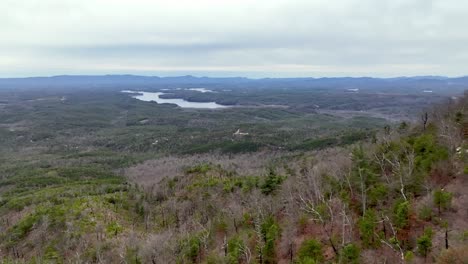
(156, 97)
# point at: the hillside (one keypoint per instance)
(83, 180)
(233, 132)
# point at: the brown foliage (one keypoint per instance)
(457, 255)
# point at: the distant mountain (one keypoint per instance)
(428, 77)
(439, 84)
(106, 80)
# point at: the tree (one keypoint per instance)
(323, 208)
(445, 225)
(160, 248)
(350, 254)
(402, 167)
(442, 199)
(403, 126)
(363, 173)
(367, 226)
(425, 242)
(427, 151)
(424, 118)
(310, 249)
(271, 182)
(393, 242)
(270, 232)
(234, 249)
(401, 214)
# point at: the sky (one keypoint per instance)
(262, 38)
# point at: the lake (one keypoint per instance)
(155, 97)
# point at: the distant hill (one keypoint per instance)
(438, 84)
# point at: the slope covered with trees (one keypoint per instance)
(398, 196)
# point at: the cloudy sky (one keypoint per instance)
(274, 38)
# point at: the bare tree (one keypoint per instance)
(424, 119)
(260, 243)
(246, 253)
(404, 171)
(394, 243)
(159, 248)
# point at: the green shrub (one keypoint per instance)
(51, 254)
(464, 235)
(409, 256)
(350, 254)
(20, 230)
(270, 231)
(367, 225)
(425, 242)
(427, 151)
(235, 245)
(249, 183)
(271, 183)
(114, 228)
(307, 260)
(214, 258)
(442, 199)
(425, 213)
(192, 249)
(310, 250)
(376, 194)
(401, 214)
(201, 168)
(221, 226)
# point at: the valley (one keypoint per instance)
(284, 173)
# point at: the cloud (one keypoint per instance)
(254, 38)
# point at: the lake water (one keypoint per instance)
(154, 97)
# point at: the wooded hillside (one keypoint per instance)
(400, 196)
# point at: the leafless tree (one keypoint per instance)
(159, 248)
(260, 243)
(311, 200)
(404, 169)
(424, 119)
(394, 243)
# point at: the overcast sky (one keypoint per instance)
(274, 38)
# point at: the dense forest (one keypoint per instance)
(114, 180)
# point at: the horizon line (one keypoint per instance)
(235, 77)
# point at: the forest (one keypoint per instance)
(93, 175)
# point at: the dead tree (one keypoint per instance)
(394, 243)
(326, 219)
(424, 118)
